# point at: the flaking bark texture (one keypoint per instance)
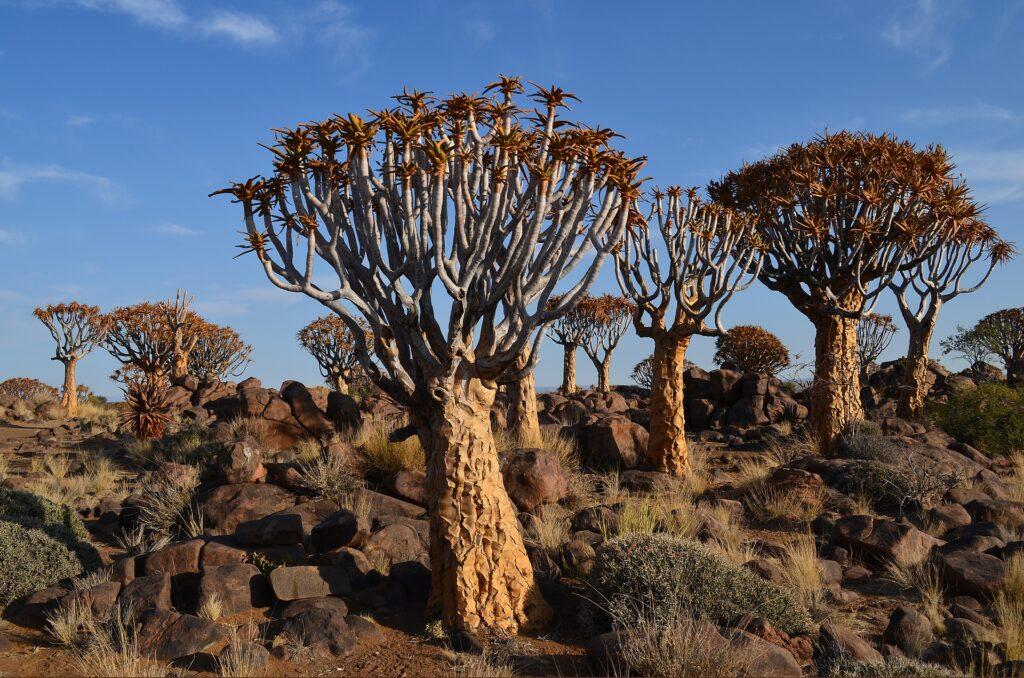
(340, 385)
(666, 447)
(604, 371)
(835, 393)
(914, 388)
(69, 394)
(481, 575)
(522, 421)
(569, 368)
(180, 368)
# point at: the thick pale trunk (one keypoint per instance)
(569, 368)
(666, 447)
(481, 575)
(522, 419)
(179, 369)
(914, 388)
(340, 385)
(69, 394)
(835, 393)
(604, 371)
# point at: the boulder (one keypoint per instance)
(305, 410)
(167, 636)
(950, 516)
(398, 540)
(408, 485)
(175, 558)
(839, 641)
(614, 443)
(341, 528)
(275, 529)
(251, 655)
(343, 412)
(294, 607)
(241, 462)
(99, 599)
(973, 574)
(533, 477)
(321, 630)
(145, 593)
(225, 507)
(238, 587)
(747, 412)
(884, 539)
(909, 630)
(215, 554)
(308, 581)
(283, 430)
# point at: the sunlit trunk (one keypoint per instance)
(69, 394)
(481, 575)
(340, 385)
(914, 388)
(604, 370)
(835, 393)
(522, 419)
(569, 368)
(666, 447)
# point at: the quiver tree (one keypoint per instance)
(141, 339)
(874, 334)
(643, 372)
(970, 345)
(607, 318)
(922, 290)
(218, 354)
(186, 328)
(710, 256)
(469, 199)
(569, 332)
(1002, 333)
(522, 419)
(77, 329)
(333, 346)
(752, 349)
(839, 217)
(27, 389)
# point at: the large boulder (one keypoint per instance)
(343, 412)
(614, 443)
(885, 539)
(323, 631)
(167, 636)
(533, 477)
(341, 528)
(279, 529)
(398, 540)
(283, 429)
(309, 581)
(238, 588)
(145, 593)
(225, 507)
(305, 409)
(973, 574)
(240, 462)
(175, 558)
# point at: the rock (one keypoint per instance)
(343, 412)
(767, 660)
(414, 577)
(310, 513)
(308, 581)
(123, 569)
(974, 574)
(355, 564)
(276, 529)
(909, 630)
(175, 558)
(295, 607)
(250, 655)
(283, 430)
(885, 539)
(341, 528)
(614, 443)
(599, 519)
(769, 570)
(1002, 511)
(304, 409)
(747, 412)
(241, 462)
(831, 572)
(321, 630)
(724, 384)
(216, 553)
(578, 557)
(100, 599)
(409, 486)
(33, 610)
(398, 541)
(382, 505)
(839, 641)
(698, 413)
(239, 587)
(950, 516)
(533, 477)
(150, 592)
(167, 636)
(228, 505)
(646, 482)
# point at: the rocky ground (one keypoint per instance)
(240, 544)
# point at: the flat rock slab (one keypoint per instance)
(166, 635)
(309, 581)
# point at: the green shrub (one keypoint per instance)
(990, 417)
(892, 667)
(890, 489)
(636, 575)
(19, 504)
(86, 553)
(31, 559)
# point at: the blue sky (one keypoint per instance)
(118, 117)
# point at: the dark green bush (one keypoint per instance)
(889, 488)
(31, 559)
(635, 575)
(18, 504)
(990, 417)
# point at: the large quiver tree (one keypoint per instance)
(569, 332)
(710, 256)
(186, 328)
(141, 339)
(331, 343)
(608, 317)
(77, 329)
(752, 349)
(218, 354)
(469, 199)
(922, 290)
(838, 218)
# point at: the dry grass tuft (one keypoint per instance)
(768, 503)
(167, 508)
(255, 428)
(479, 666)
(211, 608)
(638, 515)
(68, 624)
(113, 650)
(240, 657)
(98, 415)
(1015, 481)
(680, 647)
(728, 539)
(799, 560)
(924, 581)
(328, 476)
(549, 528)
(1009, 608)
(381, 456)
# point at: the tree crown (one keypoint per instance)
(752, 349)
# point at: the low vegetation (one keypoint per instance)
(990, 417)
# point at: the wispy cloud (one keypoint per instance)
(14, 177)
(159, 13)
(80, 120)
(923, 28)
(241, 301)
(240, 27)
(337, 27)
(175, 230)
(12, 237)
(480, 31)
(951, 115)
(997, 176)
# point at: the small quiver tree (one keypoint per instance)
(710, 256)
(970, 345)
(643, 372)
(332, 344)
(186, 328)
(77, 329)
(874, 334)
(142, 340)
(940, 277)
(752, 349)
(569, 332)
(469, 199)
(1002, 333)
(218, 354)
(607, 318)
(838, 217)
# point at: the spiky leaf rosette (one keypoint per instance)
(148, 409)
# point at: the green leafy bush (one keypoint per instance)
(990, 417)
(635, 575)
(19, 504)
(31, 559)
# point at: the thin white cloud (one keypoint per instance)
(923, 28)
(175, 230)
(240, 27)
(996, 176)
(336, 26)
(951, 115)
(14, 177)
(480, 31)
(159, 13)
(12, 237)
(80, 120)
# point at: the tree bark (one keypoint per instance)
(179, 369)
(481, 575)
(604, 371)
(666, 447)
(69, 394)
(569, 368)
(522, 421)
(914, 388)
(340, 385)
(835, 393)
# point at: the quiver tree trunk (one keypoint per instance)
(481, 575)
(835, 393)
(340, 384)
(604, 372)
(914, 386)
(569, 368)
(522, 419)
(666, 447)
(179, 370)
(69, 393)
